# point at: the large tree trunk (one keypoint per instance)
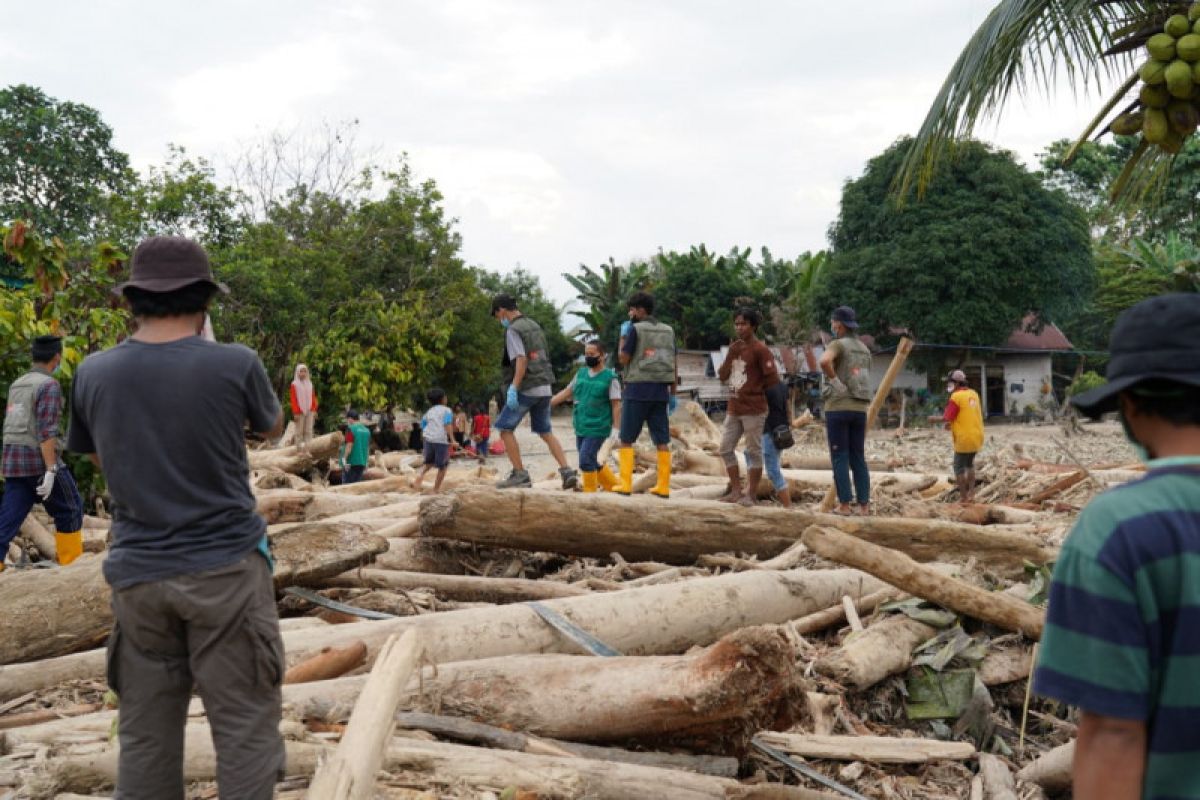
(921, 581)
(713, 700)
(652, 620)
(291, 505)
(58, 611)
(679, 531)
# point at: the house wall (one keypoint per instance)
(1023, 377)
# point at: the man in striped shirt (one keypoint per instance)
(1122, 639)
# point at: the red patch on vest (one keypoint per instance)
(534, 355)
(650, 351)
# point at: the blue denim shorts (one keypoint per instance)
(538, 409)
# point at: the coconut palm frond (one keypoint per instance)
(1022, 45)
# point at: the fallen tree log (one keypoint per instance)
(680, 531)
(1052, 770)
(997, 779)
(58, 611)
(885, 648)
(711, 701)
(455, 587)
(836, 614)
(651, 620)
(331, 662)
(439, 763)
(477, 733)
(295, 460)
(898, 570)
(349, 774)
(875, 749)
(292, 505)
(1058, 487)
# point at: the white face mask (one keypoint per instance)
(950, 387)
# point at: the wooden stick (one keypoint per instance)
(921, 581)
(350, 773)
(1052, 770)
(876, 749)
(835, 614)
(330, 662)
(997, 779)
(851, 614)
(885, 386)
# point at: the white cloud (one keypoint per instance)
(219, 104)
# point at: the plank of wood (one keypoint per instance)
(875, 749)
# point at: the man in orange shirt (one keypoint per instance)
(964, 418)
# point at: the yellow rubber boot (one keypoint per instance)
(69, 546)
(625, 462)
(608, 481)
(663, 487)
(591, 482)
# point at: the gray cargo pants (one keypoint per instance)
(219, 630)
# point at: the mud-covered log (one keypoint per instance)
(679, 531)
(883, 649)
(712, 700)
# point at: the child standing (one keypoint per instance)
(437, 427)
(481, 430)
(597, 394)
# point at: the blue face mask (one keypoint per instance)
(505, 322)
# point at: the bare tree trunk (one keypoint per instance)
(883, 649)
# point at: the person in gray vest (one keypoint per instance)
(32, 469)
(648, 355)
(847, 395)
(163, 414)
(530, 379)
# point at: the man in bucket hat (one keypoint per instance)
(163, 414)
(1123, 625)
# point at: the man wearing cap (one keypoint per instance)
(1123, 625)
(846, 395)
(163, 414)
(32, 469)
(530, 379)
(964, 419)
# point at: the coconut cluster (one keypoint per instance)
(1169, 99)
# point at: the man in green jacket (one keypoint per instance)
(530, 378)
(356, 449)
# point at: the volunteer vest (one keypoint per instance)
(20, 415)
(654, 359)
(967, 427)
(854, 371)
(593, 408)
(538, 370)
(360, 451)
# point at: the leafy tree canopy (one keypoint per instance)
(986, 245)
(58, 165)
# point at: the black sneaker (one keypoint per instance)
(570, 478)
(517, 479)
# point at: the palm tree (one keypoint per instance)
(1027, 44)
(605, 292)
(1175, 261)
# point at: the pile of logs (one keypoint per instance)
(539, 643)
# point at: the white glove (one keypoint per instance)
(47, 485)
(837, 385)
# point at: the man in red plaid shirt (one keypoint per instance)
(30, 463)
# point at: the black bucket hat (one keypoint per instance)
(1157, 339)
(167, 263)
(846, 316)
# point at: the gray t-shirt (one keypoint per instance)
(516, 349)
(167, 422)
(433, 424)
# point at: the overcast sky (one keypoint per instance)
(559, 132)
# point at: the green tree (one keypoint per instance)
(696, 292)
(533, 302)
(605, 292)
(987, 245)
(58, 166)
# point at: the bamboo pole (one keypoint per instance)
(885, 386)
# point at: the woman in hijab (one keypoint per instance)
(304, 406)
